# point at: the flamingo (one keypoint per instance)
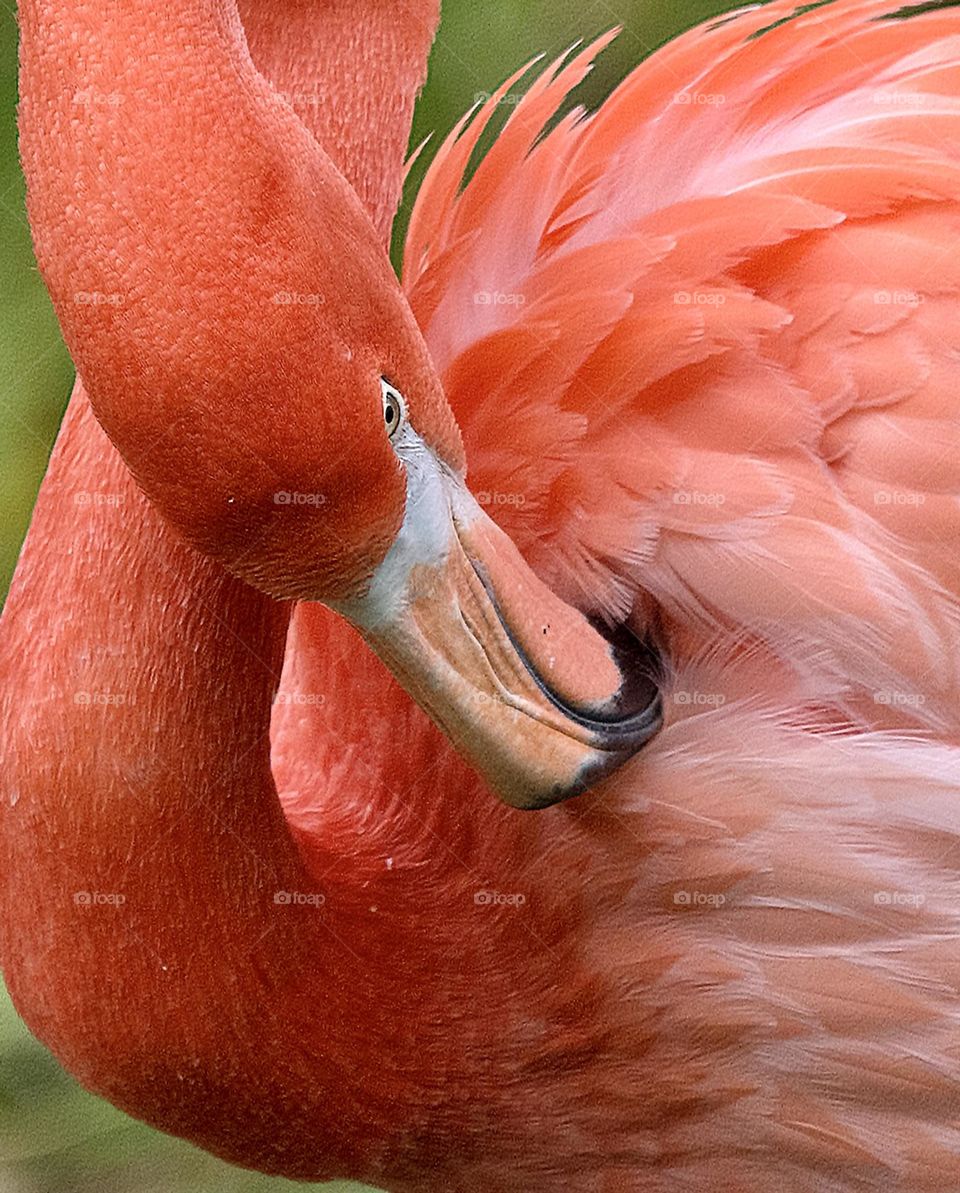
(694, 620)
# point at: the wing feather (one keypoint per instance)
(704, 342)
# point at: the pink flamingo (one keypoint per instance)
(702, 349)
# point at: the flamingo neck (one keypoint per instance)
(362, 123)
(142, 843)
(177, 202)
(159, 930)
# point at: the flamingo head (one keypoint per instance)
(247, 347)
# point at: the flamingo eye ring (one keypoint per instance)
(394, 407)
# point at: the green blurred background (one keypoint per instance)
(55, 1138)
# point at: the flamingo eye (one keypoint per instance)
(394, 407)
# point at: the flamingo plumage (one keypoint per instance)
(700, 349)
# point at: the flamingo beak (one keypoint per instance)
(541, 703)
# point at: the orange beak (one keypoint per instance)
(539, 702)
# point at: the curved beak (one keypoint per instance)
(539, 701)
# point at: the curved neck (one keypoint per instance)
(175, 74)
(301, 46)
(142, 844)
(176, 200)
(144, 856)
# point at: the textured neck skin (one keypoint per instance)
(185, 196)
(352, 78)
(137, 681)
